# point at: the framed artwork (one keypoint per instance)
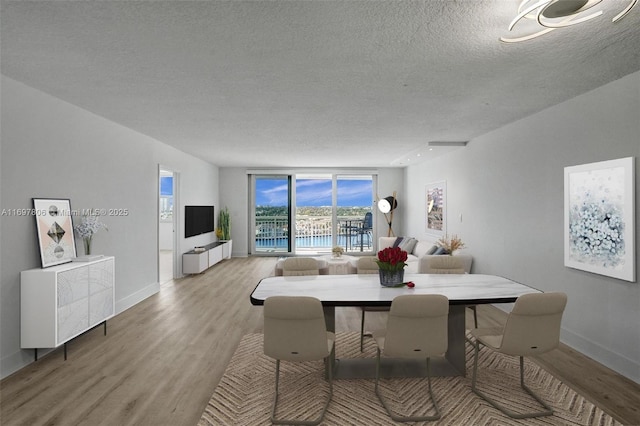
(55, 230)
(599, 218)
(436, 202)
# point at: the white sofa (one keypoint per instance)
(416, 261)
(418, 256)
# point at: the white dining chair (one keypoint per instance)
(367, 265)
(295, 330)
(416, 329)
(445, 264)
(532, 328)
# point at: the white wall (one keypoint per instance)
(508, 185)
(234, 193)
(51, 148)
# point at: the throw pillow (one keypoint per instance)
(397, 242)
(440, 251)
(432, 249)
(408, 244)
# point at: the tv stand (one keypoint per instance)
(195, 262)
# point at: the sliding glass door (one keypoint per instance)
(272, 214)
(314, 213)
(354, 212)
(310, 213)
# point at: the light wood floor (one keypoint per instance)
(161, 359)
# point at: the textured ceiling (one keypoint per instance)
(307, 83)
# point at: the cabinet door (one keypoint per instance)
(73, 303)
(101, 291)
(226, 250)
(215, 255)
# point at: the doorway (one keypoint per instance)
(167, 220)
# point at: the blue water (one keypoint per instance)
(318, 241)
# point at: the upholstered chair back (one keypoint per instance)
(417, 326)
(295, 329)
(533, 326)
(300, 266)
(367, 265)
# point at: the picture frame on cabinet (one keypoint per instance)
(54, 227)
(599, 218)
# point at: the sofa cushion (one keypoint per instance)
(421, 248)
(384, 242)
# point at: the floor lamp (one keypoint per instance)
(386, 206)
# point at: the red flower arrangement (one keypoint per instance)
(392, 259)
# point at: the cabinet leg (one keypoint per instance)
(35, 354)
(65, 351)
(105, 328)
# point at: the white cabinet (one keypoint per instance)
(195, 262)
(62, 302)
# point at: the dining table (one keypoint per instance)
(357, 290)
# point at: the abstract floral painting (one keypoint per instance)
(599, 218)
(435, 208)
(55, 231)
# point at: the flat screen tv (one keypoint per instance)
(198, 220)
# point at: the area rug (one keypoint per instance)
(245, 393)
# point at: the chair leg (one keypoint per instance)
(475, 315)
(475, 322)
(547, 412)
(362, 332)
(317, 421)
(404, 419)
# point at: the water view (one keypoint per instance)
(313, 215)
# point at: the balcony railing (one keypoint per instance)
(313, 233)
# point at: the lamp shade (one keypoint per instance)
(385, 205)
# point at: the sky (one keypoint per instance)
(314, 192)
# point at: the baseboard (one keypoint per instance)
(18, 360)
(137, 297)
(618, 363)
(23, 357)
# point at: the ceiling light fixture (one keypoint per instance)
(554, 14)
(447, 143)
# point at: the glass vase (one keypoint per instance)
(391, 278)
(87, 245)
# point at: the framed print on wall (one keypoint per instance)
(55, 230)
(436, 202)
(599, 218)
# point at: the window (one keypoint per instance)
(327, 210)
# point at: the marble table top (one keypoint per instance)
(365, 289)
